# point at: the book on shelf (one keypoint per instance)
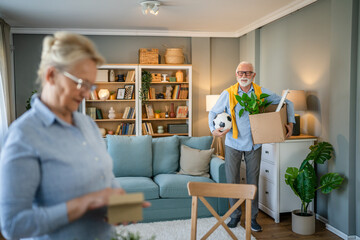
(126, 112)
(150, 129)
(117, 130)
(184, 90)
(152, 93)
(181, 111)
(130, 77)
(91, 111)
(99, 114)
(143, 127)
(94, 95)
(149, 110)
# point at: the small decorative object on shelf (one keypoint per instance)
(172, 79)
(168, 92)
(112, 95)
(104, 94)
(179, 76)
(159, 96)
(157, 113)
(111, 132)
(112, 76)
(164, 77)
(120, 78)
(172, 111)
(102, 131)
(160, 129)
(111, 113)
(166, 111)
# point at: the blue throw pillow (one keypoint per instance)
(165, 155)
(201, 143)
(132, 155)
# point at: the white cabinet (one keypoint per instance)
(275, 196)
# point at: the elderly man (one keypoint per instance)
(238, 141)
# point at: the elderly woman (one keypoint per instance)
(56, 175)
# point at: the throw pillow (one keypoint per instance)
(195, 162)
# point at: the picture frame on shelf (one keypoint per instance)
(120, 93)
(149, 111)
(129, 89)
(182, 111)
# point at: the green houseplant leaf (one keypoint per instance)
(146, 79)
(303, 180)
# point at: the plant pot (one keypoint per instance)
(304, 225)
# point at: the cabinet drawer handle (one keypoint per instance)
(266, 192)
(266, 171)
(267, 152)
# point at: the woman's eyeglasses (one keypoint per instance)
(80, 83)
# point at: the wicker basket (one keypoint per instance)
(174, 56)
(149, 56)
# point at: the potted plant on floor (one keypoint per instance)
(304, 183)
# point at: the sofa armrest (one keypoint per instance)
(217, 169)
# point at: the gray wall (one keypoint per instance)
(316, 49)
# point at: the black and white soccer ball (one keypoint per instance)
(222, 120)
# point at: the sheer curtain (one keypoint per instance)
(6, 110)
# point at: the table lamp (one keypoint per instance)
(298, 98)
(216, 143)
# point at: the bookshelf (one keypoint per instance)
(181, 125)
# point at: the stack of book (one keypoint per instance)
(125, 129)
(147, 128)
(180, 91)
(129, 113)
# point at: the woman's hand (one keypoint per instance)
(79, 206)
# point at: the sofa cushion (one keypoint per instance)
(202, 143)
(195, 162)
(165, 155)
(139, 184)
(132, 155)
(175, 185)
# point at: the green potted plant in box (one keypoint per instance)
(146, 79)
(304, 183)
(252, 104)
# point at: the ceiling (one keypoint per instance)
(212, 18)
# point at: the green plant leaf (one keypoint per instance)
(290, 176)
(320, 152)
(305, 184)
(241, 112)
(330, 181)
(264, 95)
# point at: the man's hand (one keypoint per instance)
(289, 128)
(219, 133)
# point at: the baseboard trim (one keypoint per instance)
(334, 230)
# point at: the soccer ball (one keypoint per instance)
(222, 120)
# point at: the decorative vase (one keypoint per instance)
(111, 113)
(157, 115)
(112, 76)
(172, 112)
(304, 225)
(160, 129)
(179, 76)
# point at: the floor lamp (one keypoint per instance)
(217, 141)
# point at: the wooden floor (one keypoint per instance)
(282, 230)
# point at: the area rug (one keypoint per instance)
(181, 229)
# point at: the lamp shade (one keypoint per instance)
(210, 101)
(298, 98)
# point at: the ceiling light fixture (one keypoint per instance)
(150, 6)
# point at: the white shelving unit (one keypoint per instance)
(119, 105)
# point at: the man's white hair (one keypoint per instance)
(245, 63)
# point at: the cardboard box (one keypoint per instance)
(102, 75)
(125, 208)
(269, 127)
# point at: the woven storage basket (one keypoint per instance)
(174, 56)
(149, 56)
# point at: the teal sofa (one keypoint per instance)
(149, 165)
